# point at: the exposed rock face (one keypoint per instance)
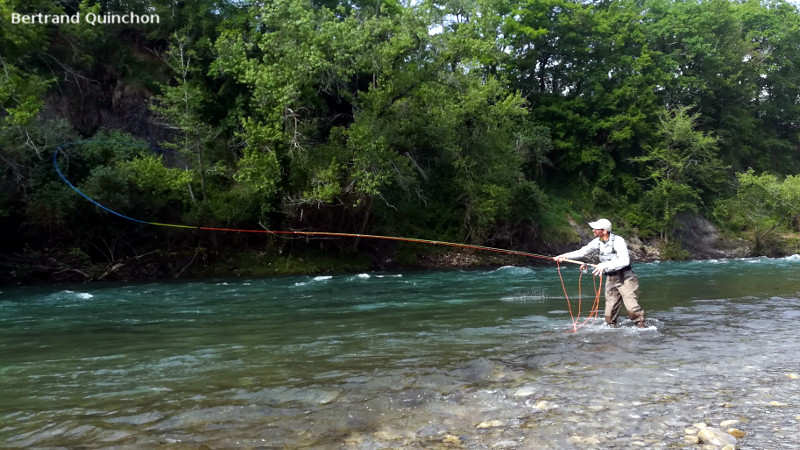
(698, 235)
(702, 240)
(108, 104)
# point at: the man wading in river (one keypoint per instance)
(622, 284)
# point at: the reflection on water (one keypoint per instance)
(477, 359)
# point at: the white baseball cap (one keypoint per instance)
(601, 224)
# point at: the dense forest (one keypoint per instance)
(489, 122)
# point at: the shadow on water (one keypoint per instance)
(473, 359)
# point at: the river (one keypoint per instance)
(440, 359)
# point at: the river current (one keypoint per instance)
(442, 359)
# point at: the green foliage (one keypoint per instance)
(763, 204)
(21, 89)
(51, 205)
(637, 217)
(110, 186)
(258, 172)
(257, 179)
(157, 187)
(106, 148)
(457, 120)
(680, 169)
(672, 250)
(354, 166)
(553, 222)
(527, 202)
(182, 105)
(279, 60)
(150, 174)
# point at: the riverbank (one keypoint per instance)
(697, 239)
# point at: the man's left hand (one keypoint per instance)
(598, 269)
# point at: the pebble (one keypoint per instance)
(714, 436)
(543, 405)
(489, 424)
(354, 439)
(387, 435)
(691, 439)
(737, 433)
(451, 439)
(590, 440)
(525, 391)
(792, 376)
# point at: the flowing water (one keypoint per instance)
(446, 359)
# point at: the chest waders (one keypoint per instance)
(622, 286)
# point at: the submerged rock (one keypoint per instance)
(543, 405)
(452, 440)
(431, 431)
(691, 439)
(506, 444)
(489, 424)
(584, 440)
(737, 433)
(525, 391)
(387, 435)
(716, 437)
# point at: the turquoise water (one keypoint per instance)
(477, 359)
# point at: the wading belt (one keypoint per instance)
(618, 271)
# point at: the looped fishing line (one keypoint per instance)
(593, 312)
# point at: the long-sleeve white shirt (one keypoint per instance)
(613, 252)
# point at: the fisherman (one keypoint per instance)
(622, 284)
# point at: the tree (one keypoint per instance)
(591, 77)
(439, 105)
(182, 107)
(765, 203)
(772, 29)
(732, 61)
(680, 170)
(370, 110)
(301, 66)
